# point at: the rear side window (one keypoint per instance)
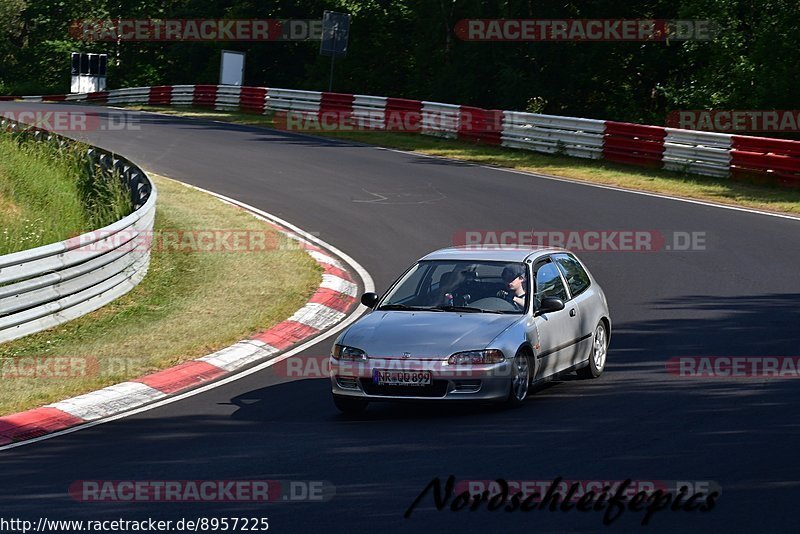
(576, 276)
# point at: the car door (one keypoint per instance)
(581, 296)
(556, 330)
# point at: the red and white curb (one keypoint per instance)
(331, 308)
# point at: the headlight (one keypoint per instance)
(343, 352)
(471, 357)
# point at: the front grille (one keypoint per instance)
(438, 388)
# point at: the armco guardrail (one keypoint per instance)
(49, 285)
(695, 152)
(582, 138)
(706, 153)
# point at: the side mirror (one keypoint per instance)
(371, 299)
(549, 305)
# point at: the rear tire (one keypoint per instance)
(349, 405)
(598, 354)
(520, 379)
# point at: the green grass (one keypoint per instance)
(189, 304)
(46, 196)
(722, 191)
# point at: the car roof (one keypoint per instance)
(491, 253)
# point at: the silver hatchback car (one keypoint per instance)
(467, 323)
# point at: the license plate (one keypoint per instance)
(401, 378)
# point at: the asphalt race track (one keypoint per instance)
(738, 297)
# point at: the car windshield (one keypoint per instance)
(461, 286)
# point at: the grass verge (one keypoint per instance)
(722, 191)
(188, 305)
(46, 196)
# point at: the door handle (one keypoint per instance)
(572, 312)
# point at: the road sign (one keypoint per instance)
(335, 33)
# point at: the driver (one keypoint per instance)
(514, 277)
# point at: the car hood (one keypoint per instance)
(429, 335)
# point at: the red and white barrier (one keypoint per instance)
(369, 112)
(481, 125)
(160, 95)
(403, 115)
(705, 153)
(580, 138)
(301, 102)
(253, 100)
(695, 152)
(228, 97)
(441, 120)
(205, 96)
(182, 95)
(765, 159)
(337, 105)
(635, 144)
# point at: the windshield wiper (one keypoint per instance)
(404, 307)
(466, 309)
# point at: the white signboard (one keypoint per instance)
(88, 72)
(231, 68)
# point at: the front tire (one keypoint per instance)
(350, 405)
(520, 380)
(599, 352)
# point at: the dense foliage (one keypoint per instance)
(408, 48)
